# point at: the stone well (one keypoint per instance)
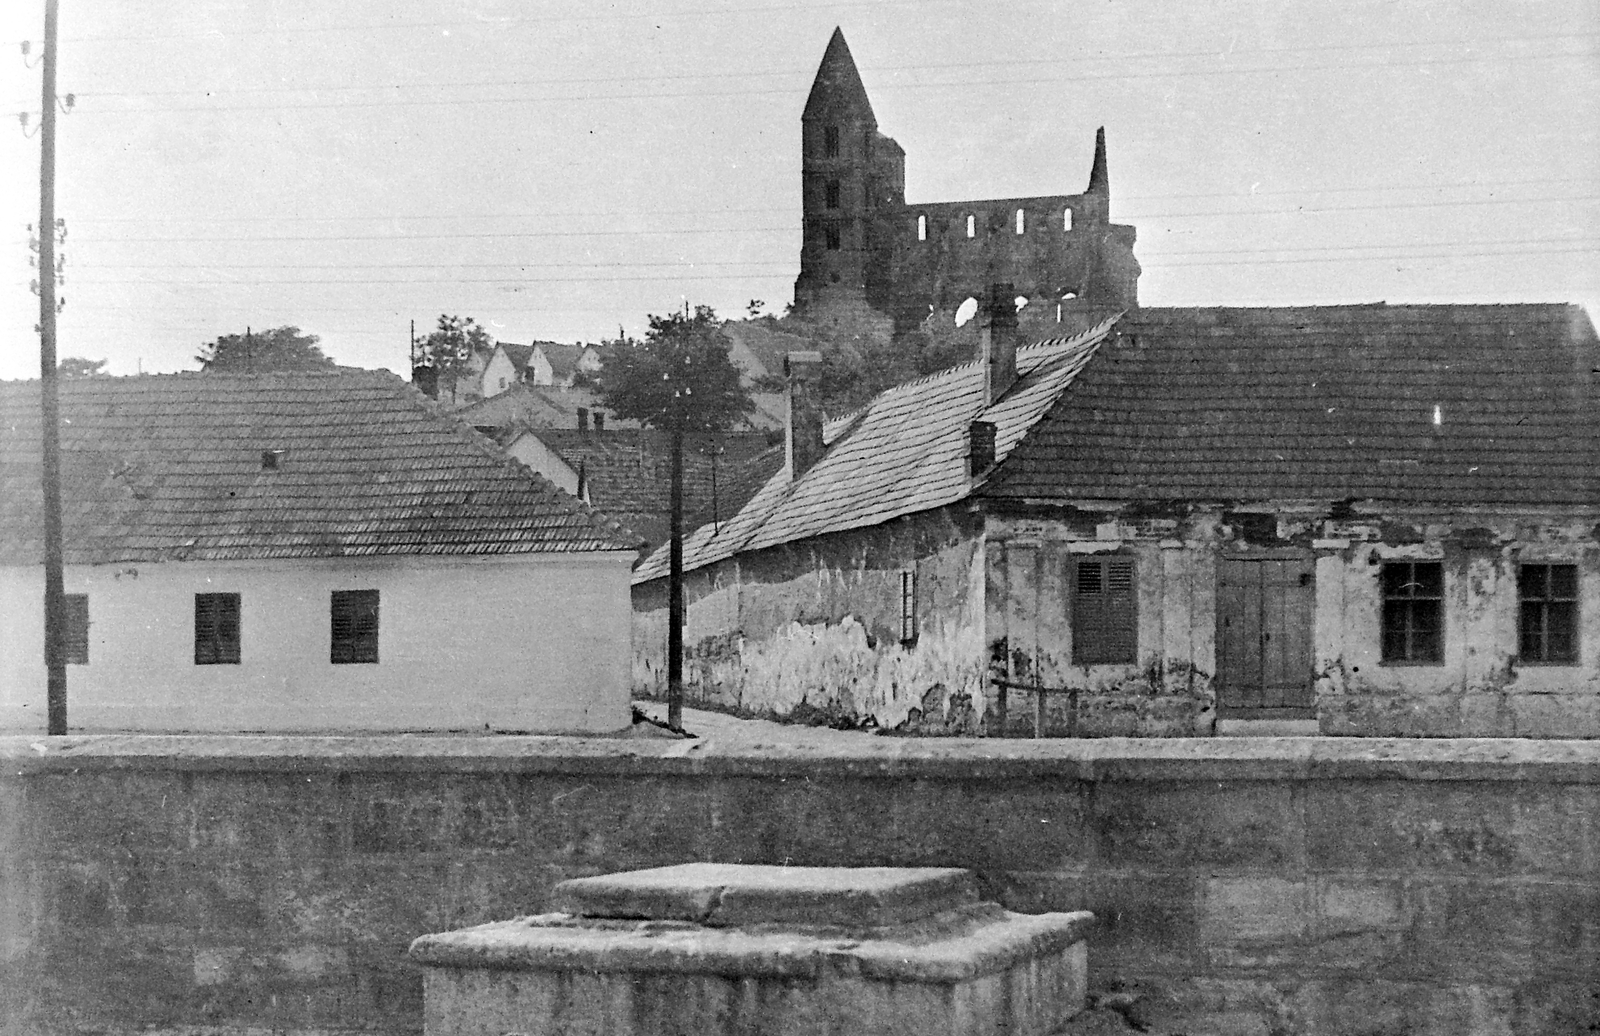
(776, 951)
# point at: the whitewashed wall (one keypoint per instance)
(538, 643)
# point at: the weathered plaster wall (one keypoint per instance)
(537, 643)
(1304, 887)
(1166, 693)
(814, 627)
(1480, 689)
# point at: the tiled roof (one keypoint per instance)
(535, 406)
(519, 355)
(904, 452)
(1327, 403)
(170, 467)
(563, 357)
(629, 472)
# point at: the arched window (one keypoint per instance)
(972, 225)
(833, 194)
(830, 142)
(922, 228)
(1020, 224)
(1066, 219)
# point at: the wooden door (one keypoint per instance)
(1265, 607)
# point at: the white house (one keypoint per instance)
(303, 552)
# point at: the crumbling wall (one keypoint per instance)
(1480, 689)
(811, 631)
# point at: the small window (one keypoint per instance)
(922, 228)
(1021, 224)
(830, 142)
(908, 608)
(76, 635)
(1413, 612)
(833, 194)
(1066, 219)
(831, 232)
(354, 626)
(972, 225)
(1105, 626)
(216, 629)
(1547, 614)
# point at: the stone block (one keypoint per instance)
(1243, 824)
(1253, 909)
(815, 950)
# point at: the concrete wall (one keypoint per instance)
(1309, 887)
(1481, 689)
(536, 643)
(814, 627)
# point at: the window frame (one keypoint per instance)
(75, 634)
(1410, 655)
(1104, 631)
(214, 613)
(354, 645)
(1544, 604)
(832, 238)
(908, 607)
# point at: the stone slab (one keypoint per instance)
(725, 895)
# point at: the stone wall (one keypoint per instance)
(1305, 887)
(814, 628)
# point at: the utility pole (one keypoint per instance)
(675, 586)
(55, 610)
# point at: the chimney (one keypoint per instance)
(998, 338)
(980, 457)
(426, 379)
(803, 429)
(583, 419)
(599, 420)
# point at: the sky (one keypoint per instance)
(560, 171)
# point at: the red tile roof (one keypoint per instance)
(1327, 403)
(170, 467)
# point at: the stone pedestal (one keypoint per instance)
(760, 951)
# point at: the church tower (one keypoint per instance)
(852, 190)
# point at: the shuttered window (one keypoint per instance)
(1547, 614)
(77, 631)
(908, 608)
(355, 626)
(1105, 620)
(216, 629)
(1413, 612)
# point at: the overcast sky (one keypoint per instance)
(558, 170)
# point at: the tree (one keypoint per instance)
(450, 347)
(284, 348)
(681, 379)
(78, 367)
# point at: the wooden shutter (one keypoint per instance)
(1105, 620)
(77, 631)
(216, 629)
(354, 626)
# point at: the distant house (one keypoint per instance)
(1371, 520)
(303, 552)
(627, 473)
(507, 366)
(853, 581)
(525, 405)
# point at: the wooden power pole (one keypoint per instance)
(55, 610)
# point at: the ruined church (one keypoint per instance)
(870, 260)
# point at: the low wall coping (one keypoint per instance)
(1098, 759)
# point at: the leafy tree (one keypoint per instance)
(680, 378)
(284, 348)
(450, 347)
(78, 367)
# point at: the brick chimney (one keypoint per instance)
(980, 453)
(998, 341)
(583, 419)
(803, 428)
(599, 420)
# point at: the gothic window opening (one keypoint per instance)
(832, 193)
(831, 235)
(830, 142)
(1021, 225)
(972, 225)
(922, 228)
(1066, 219)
